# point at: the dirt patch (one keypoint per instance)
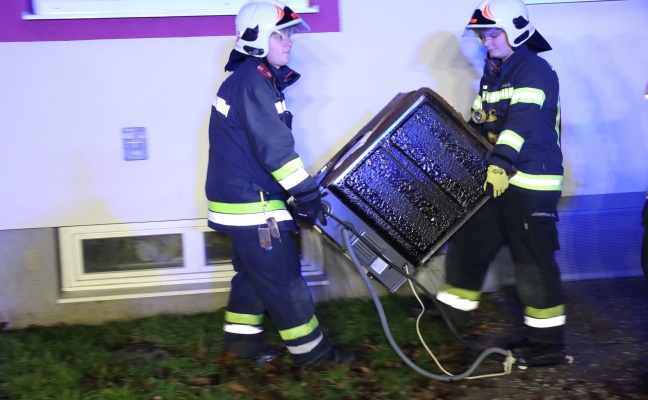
(607, 330)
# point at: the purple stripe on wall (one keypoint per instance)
(14, 29)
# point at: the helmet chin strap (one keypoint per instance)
(493, 65)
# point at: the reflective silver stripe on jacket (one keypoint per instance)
(221, 106)
(281, 106)
(537, 182)
(248, 219)
(294, 179)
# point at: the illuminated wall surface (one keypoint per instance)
(71, 88)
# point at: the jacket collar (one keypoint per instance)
(283, 76)
(521, 53)
(495, 66)
(236, 58)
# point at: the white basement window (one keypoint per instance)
(151, 259)
(76, 9)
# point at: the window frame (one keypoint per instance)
(196, 272)
(194, 269)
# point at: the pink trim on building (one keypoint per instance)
(14, 29)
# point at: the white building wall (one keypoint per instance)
(65, 103)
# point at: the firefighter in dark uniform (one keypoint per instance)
(253, 170)
(518, 109)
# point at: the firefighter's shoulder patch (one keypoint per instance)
(265, 71)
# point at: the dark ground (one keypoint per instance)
(607, 330)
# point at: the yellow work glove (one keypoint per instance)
(497, 177)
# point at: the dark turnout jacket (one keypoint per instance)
(524, 93)
(253, 167)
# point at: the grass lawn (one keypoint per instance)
(178, 357)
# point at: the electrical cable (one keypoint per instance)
(509, 360)
(507, 364)
(390, 338)
(407, 276)
(418, 329)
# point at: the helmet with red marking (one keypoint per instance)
(511, 16)
(256, 21)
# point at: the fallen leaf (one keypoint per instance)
(201, 380)
(226, 358)
(214, 379)
(237, 387)
(361, 369)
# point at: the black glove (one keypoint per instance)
(309, 207)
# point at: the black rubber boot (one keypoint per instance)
(243, 346)
(259, 353)
(335, 356)
(529, 353)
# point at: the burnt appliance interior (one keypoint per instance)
(405, 183)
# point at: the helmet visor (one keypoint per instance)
(483, 34)
(489, 33)
(289, 19)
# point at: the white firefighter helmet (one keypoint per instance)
(513, 17)
(256, 21)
